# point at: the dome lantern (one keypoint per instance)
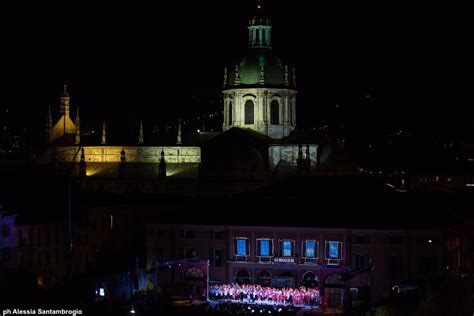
(260, 29)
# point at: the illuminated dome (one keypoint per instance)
(259, 90)
(259, 66)
(250, 68)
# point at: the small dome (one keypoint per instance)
(251, 66)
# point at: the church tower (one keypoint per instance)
(64, 125)
(258, 92)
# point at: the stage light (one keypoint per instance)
(132, 311)
(430, 241)
(101, 292)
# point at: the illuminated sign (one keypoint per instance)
(284, 260)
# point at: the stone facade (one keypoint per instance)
(289, 153)
(261, 100)
(133, 154)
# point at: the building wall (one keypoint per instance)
(460, 247)
(262, 99)
(41, 250)
(133, 154)
(176, 242)
(289, 153)
(397, 255)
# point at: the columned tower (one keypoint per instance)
(257, 92)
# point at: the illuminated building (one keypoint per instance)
(260, 92)
(258, 141)
(302, 256)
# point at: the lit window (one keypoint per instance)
(287, 248)
(310, 249)
(241, 247)
(333, 250)
(264, 246)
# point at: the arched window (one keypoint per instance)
(229, 116)
(274, 113)
(310, 280)
(243, 277)
(264, 278)
(249, 108)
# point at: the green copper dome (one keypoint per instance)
(253, 63)
(259, 66)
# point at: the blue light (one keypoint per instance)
(241, 247)
(333, 250)
(310, 248)
(264, 247)
(287, 248)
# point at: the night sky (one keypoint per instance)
(386, 64)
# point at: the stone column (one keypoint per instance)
(293, 110)
(238, 109)
(226, 113)
(285, 109)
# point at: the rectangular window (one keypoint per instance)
(394, 240)
(333, 250)
(394, 268)
(219, 258)
(361, 239)
(264, 248)
(189, 234)
(241, 247)
(310, 251)
(287, 248)
(361, 261)
(219, 235)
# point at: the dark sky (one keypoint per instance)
(394, 63)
